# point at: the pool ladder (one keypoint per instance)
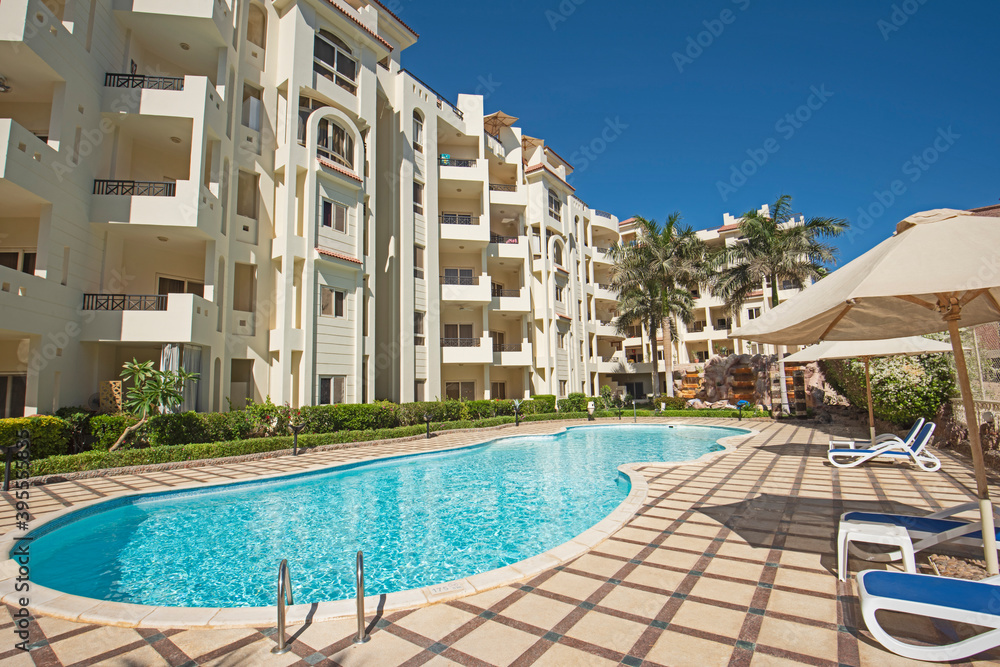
(285, 596)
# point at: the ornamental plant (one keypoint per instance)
(152, 392)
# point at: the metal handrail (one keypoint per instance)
(360, 579)
(502, 187)
(284, 592)
(459, 280)
(461, 342)
(456, 162)
(118, 80)
(506, 347)
(505, 293)
(602, 214)
(500, 238)
(458, 219)
(103, 186)
(124, 302)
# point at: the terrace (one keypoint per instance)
(727, 560)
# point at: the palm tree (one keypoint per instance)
(666, 262)
(773, 248)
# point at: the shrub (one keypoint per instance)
(544, 403)
(225, 426)
(50, 436)
(575, 402)
(479, 409)
(903, 388)
(106, 429)
(182, 428)
(503, 407)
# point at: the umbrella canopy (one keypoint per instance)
(496, 121)
(866, 349)
(939, 271)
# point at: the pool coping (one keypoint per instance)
(49, 602)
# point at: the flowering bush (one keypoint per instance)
(903, 388)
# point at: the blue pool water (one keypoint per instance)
(420, 520)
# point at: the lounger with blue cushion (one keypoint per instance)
(914, 452)
(925, 531)
(841, 443)
(956, 600)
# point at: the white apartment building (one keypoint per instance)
(259, 193)
(627, 364)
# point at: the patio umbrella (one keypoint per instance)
(497, 120)
(865, 350)
(939, 271)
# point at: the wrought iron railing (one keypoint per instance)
(602, 214)
(458, 219)
(461, 342)
(505, 293)
(500, 238)
(602, 249)
(494, 144)
(134, 188)
(116, 80)
(502, 187)
(605, 286)
(456, 162)
(506, 347)
(459, 280)
(124, 301)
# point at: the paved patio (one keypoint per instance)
(728, 562)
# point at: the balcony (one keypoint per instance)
(607, 328)
(467, 350)
(210, 20)
(457, 162)
(118, 80)
(463, 227)
(512, 354)
(508, 194)
(511, 300)
(466, 170)
(191, 97)
(603, 255)
(494, 145)
(465, 289)
(134, 188)
(603, 220)
(26, 162)
(604, 291)
(181, 204)
(619, 363)
(148, 318)
(32, 305)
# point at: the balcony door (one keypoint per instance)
(498, 390)
(456, 331)
(499, 339)
(167, 285)
(458, 277)
(460, 391)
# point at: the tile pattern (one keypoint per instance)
(729, 562)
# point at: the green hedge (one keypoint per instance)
(545, 403)
(50, 436)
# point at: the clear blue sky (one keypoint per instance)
(892, 78)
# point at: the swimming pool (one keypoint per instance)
(420, 520)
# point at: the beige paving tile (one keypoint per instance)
(196, 643)
(487, 599)
(710, 618)
(716, 589)
(495, 643)
(635, 601)
(146, 656)
(807, 606)
(680, 650)
(84, 646)
(257, 653)
(436, 620)
(655, 577)
(539, 611)
(607, 631)
(560, 655)
(805, 639)
(571, 585)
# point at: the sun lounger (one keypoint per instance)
(915, 452)
(956, 600)
(924, 531)
(842, 443)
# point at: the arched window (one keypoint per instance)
(257, 26)
(335, 143)
(418, 132)
(557, 253)
(332, 58)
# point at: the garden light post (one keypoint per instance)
(590, 411)
(296, 429)
(739, 406)
(427, 419)
(6, 468)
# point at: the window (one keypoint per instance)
(256, 25)
(555, 206)
(418, 390)
(557, 255)
(332, 59)
(13, 389)
(252, 107)
(244, 287)
(459, 277)
(418, 132)
(753, 313)
(246, 195)
(332, 389)
(19, 260)
(635, 390)
(791, 284)
(335, 215)
(562, 388)
(559, 293)
(332, 301)
(179, 286)
(460, 391)
(418, 261)
(562, 340)
(335, 143)
(418, 198)
(635, 331)
(418, 328)
(498, 390)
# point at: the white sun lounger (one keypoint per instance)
(843, 443)
(956, 600)
(915, 452)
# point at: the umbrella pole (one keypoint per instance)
(982, 488)
(871, 408)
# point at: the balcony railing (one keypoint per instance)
(499, 238)
(124, 301)
(458, 219)
(494, 144)
(506, 347)
(602, 250)
(456, 162)
(502, 187)
(602, 214)
(461, 342)
(697, 327)
(133, 188)
(505, 293)
(116, 80)
(459, 280)
(606, 286)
